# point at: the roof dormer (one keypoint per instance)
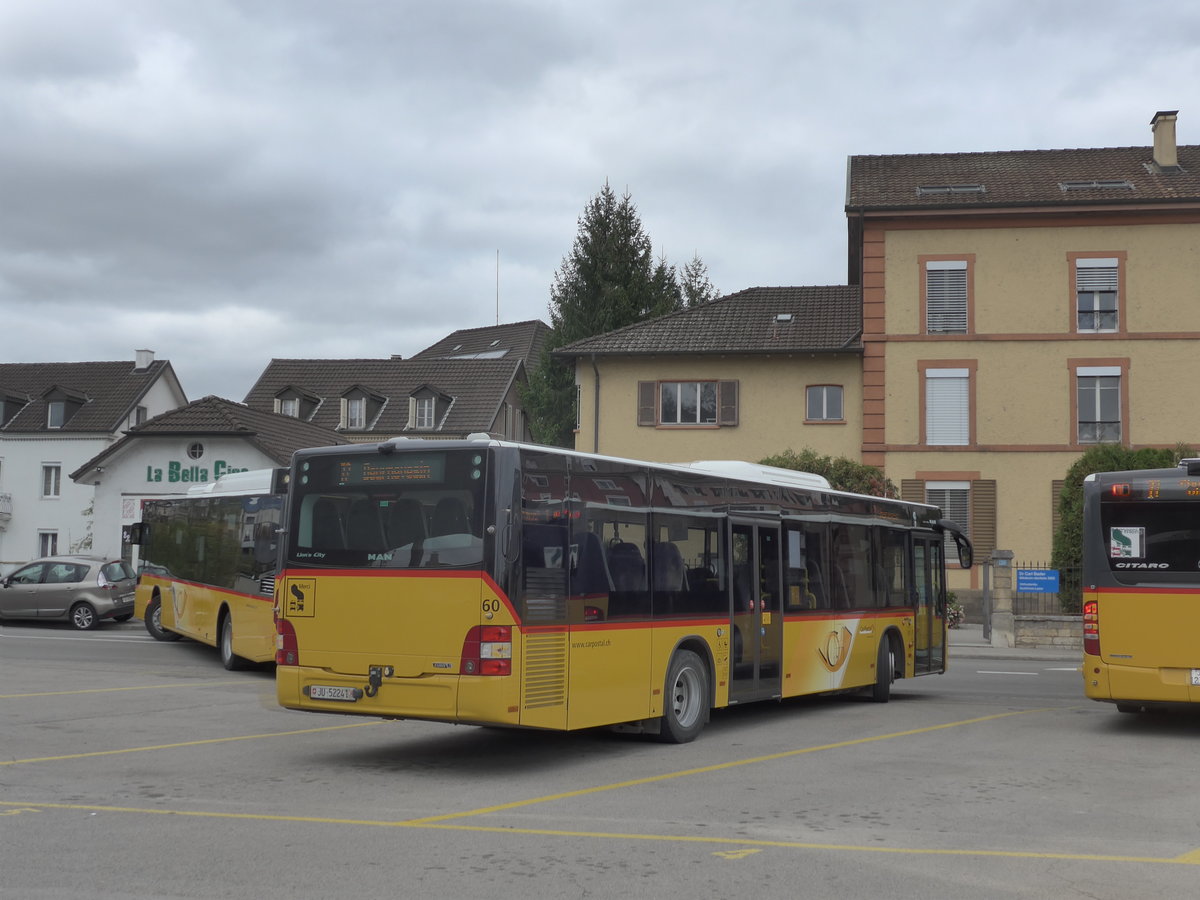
(61, 405)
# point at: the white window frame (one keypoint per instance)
(51, 480)
(47, 543)
(1093, 278)
(356, 412)
(946, 296)
(1096, 388)
(290, 406)
(672, 413)
(423, 412)
(54, 407)
(947, 407)
(817, 403)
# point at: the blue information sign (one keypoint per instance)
(1037, 581)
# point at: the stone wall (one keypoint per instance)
(1048, 632)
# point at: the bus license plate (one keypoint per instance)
(1196, 677)
(330, 692)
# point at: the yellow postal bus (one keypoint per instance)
(497, 583)
(1141, 586)
(208, 565)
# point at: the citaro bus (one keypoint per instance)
(207, 565)
(1141, 586)
(488, 582)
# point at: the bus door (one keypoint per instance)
(930, 626)
(756, 610)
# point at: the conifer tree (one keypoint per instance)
(607, 281)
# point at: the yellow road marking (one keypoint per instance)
(140, 687)
(625, 836)
(223, 740)
(786, 754)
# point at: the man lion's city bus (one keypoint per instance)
(207, 563)
(486, 582)
(1141, 586)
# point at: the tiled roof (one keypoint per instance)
(757, 320)
(477, 387)
(110, 391)
(1020, 178)
(518, 340)
(275, 435)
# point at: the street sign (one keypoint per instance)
(1037, 581)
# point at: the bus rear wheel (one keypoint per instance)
(154, 622)
(685, 699)
(229, 659)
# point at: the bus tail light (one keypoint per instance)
(1091, 627)
(287, 652)
(487, 650)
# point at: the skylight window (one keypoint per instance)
(1121, 185)
(951, 189)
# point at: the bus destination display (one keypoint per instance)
(1154, 489)
(407, 469)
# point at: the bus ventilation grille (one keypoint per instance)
(545, 677)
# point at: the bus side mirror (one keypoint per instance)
(966, 555)
(137, 533)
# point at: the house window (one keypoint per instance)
(1096, 293)
(424, 412)
(688, 403)
(824, 403)
(947, 407)
(56, 413)
(946, 295)
(51, 480)
(1098, 404)
(290, 406)
(140, 415)
(47, 543)
(356, 412)
(954, 500)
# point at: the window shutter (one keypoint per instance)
(947, 407)
(983, 517)
(912, 490)
(727, 402)
(1056, 487)
(946, 297)
(647, 407)
(1095, 275)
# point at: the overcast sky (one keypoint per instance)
(227, 181)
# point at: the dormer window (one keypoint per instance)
(9, 407)
(427, 408)
(290, 406)
(296, 403)
(56, 413)
(360, 409)
(423, 415)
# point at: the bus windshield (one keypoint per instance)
(408, 510)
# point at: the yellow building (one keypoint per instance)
(1013, 308)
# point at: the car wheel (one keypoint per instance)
(229, 659)
(685, 700)
(154, 622)
(83, 616)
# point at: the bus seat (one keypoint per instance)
(667, 566)
(590, 575)
(627, 566)
(405, 523)
(364, 529)
(450, 517)
(328, 530)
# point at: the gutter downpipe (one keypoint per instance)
(595, 407)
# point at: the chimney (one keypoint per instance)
(142, 360)
(1163, 126)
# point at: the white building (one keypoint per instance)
(53, 418)
(191, 445)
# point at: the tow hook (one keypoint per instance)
(375, 676)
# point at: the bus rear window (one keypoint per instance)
(1143, 538)
(420, 510)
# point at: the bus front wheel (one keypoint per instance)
(685, 703)
(885, 672)
(154, 622)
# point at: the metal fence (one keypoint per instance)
(1064, 603)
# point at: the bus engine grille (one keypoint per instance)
(544, 682)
